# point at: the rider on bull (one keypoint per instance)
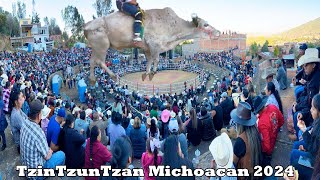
(132, 8)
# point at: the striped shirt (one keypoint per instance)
(6, 98)
(34, 147)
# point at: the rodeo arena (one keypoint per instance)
(198, 115)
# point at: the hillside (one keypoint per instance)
(308, 32)
(309, 29)
(5, 43)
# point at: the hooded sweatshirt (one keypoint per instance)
(100, 156)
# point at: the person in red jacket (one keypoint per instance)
(96, 153)
(269, 123)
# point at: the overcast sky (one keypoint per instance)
(243, 16)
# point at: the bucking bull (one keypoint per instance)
(163, 31)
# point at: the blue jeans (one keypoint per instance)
(298, 90)
(295, 153)
(304, 172)
(295, 121)
(133, 10)
(3, 135)
(56, 159)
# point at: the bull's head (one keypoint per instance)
(204, 26)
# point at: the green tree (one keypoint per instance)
(21, 11)
(265, 47)
(46, 21)
(276, 51)
(254, 49)
(65, 36)
(73, 21)
(36, 18)
(103, 7)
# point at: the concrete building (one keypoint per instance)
(33, 37)
(222, 43)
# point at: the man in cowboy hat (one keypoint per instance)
(269, 123)
(281, 75)
(222, 153)
(310, 62)
(268, 74)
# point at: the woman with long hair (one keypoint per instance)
(71, 145)
(309, 147)
(194, 129)
(18, 117)
(153, 131)
(273, 96)
(96, 154)
(151, 157)
(121, 157)
(173, 156)
(247, 148)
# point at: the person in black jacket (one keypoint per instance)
(227, 106)
(309, 147)
(310, 62)
(217, 115)
(194, 129)
(72, 143)
(207, 127)
(173, 157)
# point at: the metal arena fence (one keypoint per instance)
(150, 89)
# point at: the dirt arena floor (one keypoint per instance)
(162, 77)
(160, 82)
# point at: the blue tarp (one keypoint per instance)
(116, 61)
(82, 86)
(56, 84)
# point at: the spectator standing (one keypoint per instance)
(53, 130)
(34, 148)
(151, 157)
(102, 124)
(281, 75)
(72, 143)
(18, 117)
(138, 139)
(3, 123)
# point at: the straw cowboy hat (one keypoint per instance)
(268, 72)
(222, 151)
(45, 112)
(243, 115)
(311, 56)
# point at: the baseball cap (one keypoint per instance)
(62, 112)
(35, 106)
(224, 94)
(173, 126)
(304, 46)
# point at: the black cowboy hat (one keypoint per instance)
(243, 115)
(259, 102)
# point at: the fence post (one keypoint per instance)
(170, 89)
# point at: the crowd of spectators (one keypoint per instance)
(158, 128)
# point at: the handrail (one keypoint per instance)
(164, 88)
